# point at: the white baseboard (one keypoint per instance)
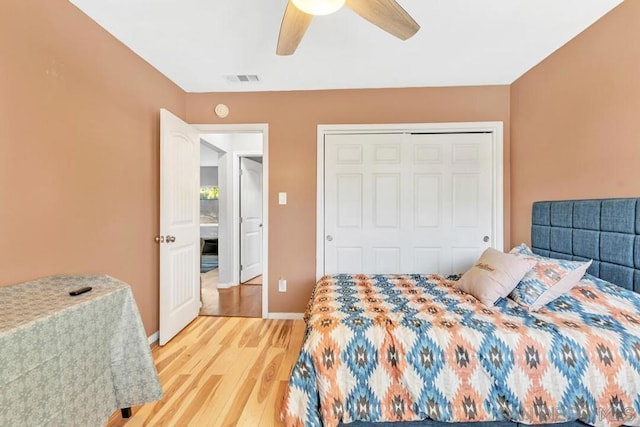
(227, 285)
(154, 337)
(285, 316)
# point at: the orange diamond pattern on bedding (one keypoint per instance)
(411, 347)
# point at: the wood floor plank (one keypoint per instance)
(292, 350)
(173, 407)
(217, 408)
(281, 339)
(236, 332)
(261, 397)
(239, 405)
(271, 414)
(269, 375)
(148, 411)
(222, 372)
(162, 363)
(264, 329)
(202, 396)
(250, 334)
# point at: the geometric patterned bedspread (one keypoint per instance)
(411, 347)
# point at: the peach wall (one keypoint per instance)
(293, 118)
(575, 120)
(79, 131)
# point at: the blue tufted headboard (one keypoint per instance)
(604, 230)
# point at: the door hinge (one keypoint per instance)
(241, 268)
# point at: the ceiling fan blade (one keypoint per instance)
(294, 24)
(386, 14)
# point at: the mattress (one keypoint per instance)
(413, 347)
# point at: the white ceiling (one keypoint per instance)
(196, 43)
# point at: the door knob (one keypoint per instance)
(329, 238)
(159, 239)
(486, 239)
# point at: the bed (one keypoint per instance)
(414, 350)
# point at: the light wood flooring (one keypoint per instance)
(240, 301)
(222, 371)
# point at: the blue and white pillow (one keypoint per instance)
(547, 280)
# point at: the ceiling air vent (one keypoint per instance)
(242, 78)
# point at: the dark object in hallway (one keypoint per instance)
(210, 246)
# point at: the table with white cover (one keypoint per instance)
(72, 360)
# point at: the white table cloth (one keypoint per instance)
(72, 361)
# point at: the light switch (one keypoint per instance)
(282, 198)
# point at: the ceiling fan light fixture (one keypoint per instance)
(319, 7)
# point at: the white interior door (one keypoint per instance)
(179, 225)
(250, 219)
(405, 203)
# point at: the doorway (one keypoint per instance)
(240, 233)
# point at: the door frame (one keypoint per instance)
(497, 185)
(262, 128)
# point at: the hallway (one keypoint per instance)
(239, 301)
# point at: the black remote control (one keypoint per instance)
(80, 291)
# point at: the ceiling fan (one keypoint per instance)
(386, 14)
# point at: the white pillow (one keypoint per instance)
(494, 275)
